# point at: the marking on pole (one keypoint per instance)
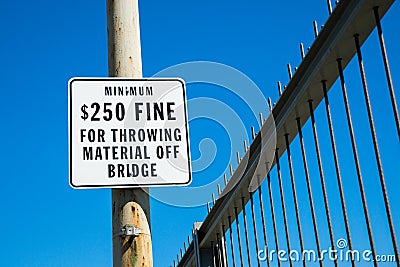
(126, 133)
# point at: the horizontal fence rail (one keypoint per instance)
(284, 212)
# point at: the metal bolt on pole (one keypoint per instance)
(129, 206)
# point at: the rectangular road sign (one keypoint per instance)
(128, 133)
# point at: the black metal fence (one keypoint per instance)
(325, 200)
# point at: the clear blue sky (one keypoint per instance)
(44, 222)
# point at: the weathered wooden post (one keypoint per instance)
(130, 207)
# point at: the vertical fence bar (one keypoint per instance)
(376, 147)
(315, 28)
(271, 202)
(278, 170)
(239, 240)
(196, 246)
(289, 69)
(225, 254)
(219, 251)
(310, 199)
(231, 239)
(263, 222)
(279, 88)
(328, 2)
(356, 161)
(246, 232)
(337, 169)
(253, 216)
(213, 254)
(302, 51)
(294, 193)
(387, 69)
(322, 177)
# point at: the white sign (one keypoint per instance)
(128, 133)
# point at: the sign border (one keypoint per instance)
(70, 117)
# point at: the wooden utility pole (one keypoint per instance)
(130, 207)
